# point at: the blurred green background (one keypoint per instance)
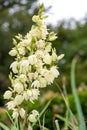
(16, 17)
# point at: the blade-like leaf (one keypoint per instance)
(82, 125)
(57, 125)
(4, 126)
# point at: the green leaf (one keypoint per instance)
(82, 125)
(65, 121)
(57, 125)
(4, 126)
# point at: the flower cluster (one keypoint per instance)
(34, 66)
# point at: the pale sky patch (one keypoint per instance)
(65, 9)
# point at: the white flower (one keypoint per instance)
(35, 113)
(22, 113)
(35, 18)
(11, 105)
(40, 44)
(26, 42)
(35, 32)
(25, 95)
(43, 71)
(43, 82)
(14, 66)
(15, 114)
(51, 74)
(48, 48)
(30, 76)
(21, 50)
(32, 118)
(35, 75)
(47, 75)
(52, 36)
(18, 99)
(27, 39)
(36, 84)
(47, 59)
(18, 87)
(32, 59)
(54, 71)
(13, 52)
(23, 78)
(24, 65)
(39, 54)
(29, 93)
(39, 65)
(7, 94)
(33, 94)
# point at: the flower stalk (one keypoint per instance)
(33, 68)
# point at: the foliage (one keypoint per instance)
(5, 4)
(72, 41)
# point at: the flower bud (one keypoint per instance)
(60, 56)
(35, 18)
(54, 56)
(13, 52)
(52, 36)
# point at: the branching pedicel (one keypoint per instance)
(34, 67)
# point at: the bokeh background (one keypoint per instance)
(16, 17)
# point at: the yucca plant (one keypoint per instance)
(34, 67)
